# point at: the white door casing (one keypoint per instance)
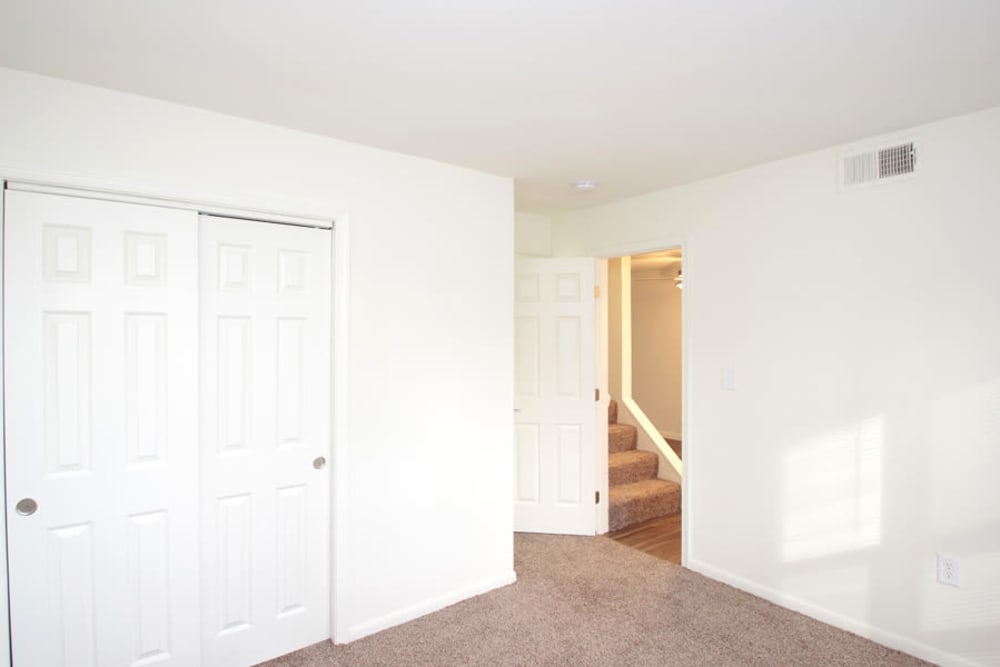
(101, 430)
(265, 385)
(554, 396)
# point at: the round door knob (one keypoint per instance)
(26, 506)
(319, 462)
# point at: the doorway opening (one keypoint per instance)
(643, 330)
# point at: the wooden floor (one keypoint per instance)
(657, 537)
(676, 446)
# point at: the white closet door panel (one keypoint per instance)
(265, 303)
(100, 346)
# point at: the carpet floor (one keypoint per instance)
(593, 601)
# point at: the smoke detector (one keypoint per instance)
(585, 186)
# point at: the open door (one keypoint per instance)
(555, 485)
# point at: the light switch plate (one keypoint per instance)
(729, 379)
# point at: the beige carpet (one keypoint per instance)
(592, 601)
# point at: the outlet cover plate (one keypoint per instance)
(949, 571)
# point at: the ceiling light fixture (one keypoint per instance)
(585, 186)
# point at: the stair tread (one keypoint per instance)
(622, 437)
(628, 456)
(629, 504)
(641, 489)
(632, 465)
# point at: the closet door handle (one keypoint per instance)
(319, 462)
(26, 506)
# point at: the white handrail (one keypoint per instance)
(675, 470)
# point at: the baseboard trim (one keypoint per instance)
(866, 630)
(422, 609)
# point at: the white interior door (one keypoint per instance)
(554, 402)
(265, 303)
(100, 349)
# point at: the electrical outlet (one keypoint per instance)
(949, 570)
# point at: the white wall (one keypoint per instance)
(656, 352)
(422, 493)
(863, 435)
(614, 297)
(532, 234)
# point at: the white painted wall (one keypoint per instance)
(863, 435)
(422, 461)
(614, 297)
(532, 234)
(656, 352)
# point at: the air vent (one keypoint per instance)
(878, 164)
(897, 160)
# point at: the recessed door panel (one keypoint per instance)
(68, 387)
(71, 589)
(526, 345)
(568, 357)
(291, 336)
(146, 387)
(234, 562)
(234, 383)
(291, 517)
(148, 572)
(527, 463)
(568, 447)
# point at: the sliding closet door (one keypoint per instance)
(265, 387)
(100, 348)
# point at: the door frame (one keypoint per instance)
(604, 402)
(280, 210)
(5, 652)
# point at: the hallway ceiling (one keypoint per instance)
(637, 95)
(659, 264)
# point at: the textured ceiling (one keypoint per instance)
(637, 95)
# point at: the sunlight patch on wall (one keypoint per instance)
(964, 432)
(832, 492)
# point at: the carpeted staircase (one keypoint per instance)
(634, 492)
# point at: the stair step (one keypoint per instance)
(621, 437)
(634, 503)
(613, 412)
(630, 466)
